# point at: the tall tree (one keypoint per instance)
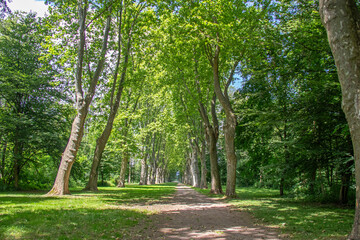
(83, 99)
(341, 19)
(127, 15)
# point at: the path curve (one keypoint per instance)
(191, 215)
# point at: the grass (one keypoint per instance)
(82, 215)
(296, 219)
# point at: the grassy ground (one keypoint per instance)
(295, 219)
(82, 215)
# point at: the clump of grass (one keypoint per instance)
(82, 215)
(297, 219)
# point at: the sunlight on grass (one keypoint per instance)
(295, 218)
(82, 215)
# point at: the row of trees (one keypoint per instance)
(235, 92)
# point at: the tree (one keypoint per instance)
(341, 20)
(30, 116)
(83, 99)
(127, 17)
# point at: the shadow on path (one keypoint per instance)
(191, 215)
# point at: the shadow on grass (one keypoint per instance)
(82, 215)
(299, 219)
(81, 223)
(131, 194)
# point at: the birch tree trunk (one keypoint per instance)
(341, 20)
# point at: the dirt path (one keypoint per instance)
(190, 215)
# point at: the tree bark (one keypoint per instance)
(230, 122)
(203, 182)
(99, 149)
(152, 172)
(143, 173)
(61, 185)
(281, 188)
(212, 133)
(194, 167)
(130, 170)
(124, 164)
(346, 174)
(341, 20)
(148, 181)
(18, 156)
(3, 157)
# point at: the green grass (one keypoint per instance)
(297, 219)
(82, 215)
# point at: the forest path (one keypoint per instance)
(191, 215)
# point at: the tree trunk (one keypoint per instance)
(149, 175)
(212, 133)
(312, 180)
(344, 190)
(3, 158)
(230, 122)
(194, 168)
(153, 163)
(124, 164)
(144, 170)
(229, 134)
(203, 182)
(341, 19)
(346, 174)
(153, 174)
(188, 176)
(214, 169)
(61, 185)
(129, 175)
(99, 149)
(282, 180)
(18, 149)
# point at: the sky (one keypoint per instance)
(29, 5)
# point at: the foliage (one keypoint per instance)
(33, 111)
(292, 133)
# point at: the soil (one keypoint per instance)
(191, 215)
